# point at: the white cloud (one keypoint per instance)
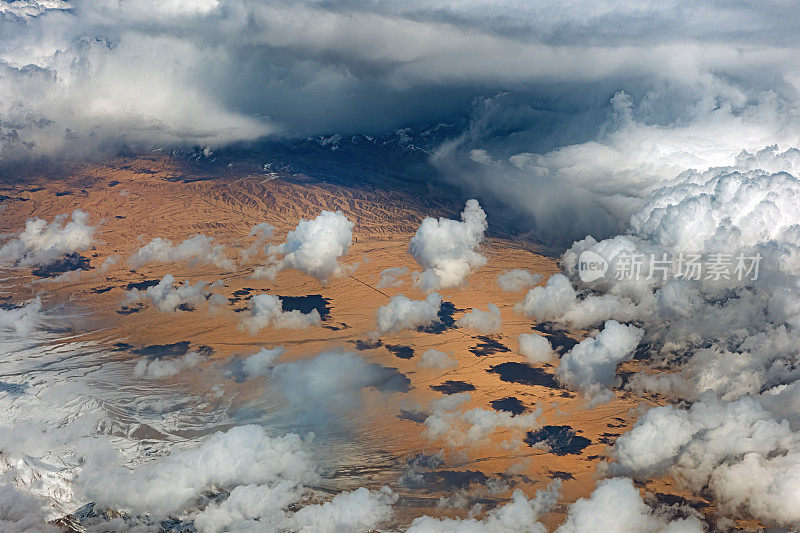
(165, 367)
(738, 450)
(32, 8)
(535, 348)
(22, 512)
(41, 243)
(260, 362)
(263, 231)
(200, 249)
(437, 359)
(517, 279)
(482, 321)
(167, 298)
(403, 313)
(267, 310)
(520, 515)
(615, 505)
(590, 366)
(250, 507)
(314, 247)
(240, 456)
(557, 301)
(332, 383)
(24, 319)
(446, 248)
(458, 428)
(260, 507)
(391, 277)
(729, 344)
(360, 510)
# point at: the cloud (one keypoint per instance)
(168, 298)
(615, 505)
(482, 321)
(332, 383)
(403, 313)
(558, 301)
(251, 507)
(21, 511)
(240, 456)
(436, 359)
(535, 348)
(359, 510)
(517, 279)
(24, 319)
(166, 367)
(591, 365)
(390, 277)
(746, 457)
(84, 97)
(729, 343)
(520, 515)
(32, 8)
(314, 247)
(459, 428)
(262, 232)
(446, 248)
(654, 134)
(260, 362)
(267, 310)
(200, 249)
(41, 243)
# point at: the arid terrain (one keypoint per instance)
(380, 439)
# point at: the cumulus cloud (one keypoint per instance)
(360, 510)
(260, 362)
(240, 456)
(41, 243)
(591, 365)
(403, 313)
(249, 506)
(253, 507)
(520, 515)
(535, 348)
(517, 279)
(168, 298)
(558, 301)
(740, 450)
(615, 505)
(458, 427)
(267, 478)
(24, 319)
(314, 247)
(332, 383)
(262, 232)
(200, 249)
(729, 342)
(22, 512)
(267, 310)
(437, 359)
(391, 277)
(446, 248)
(482, 321)
(166, 367)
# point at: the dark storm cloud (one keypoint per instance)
(84, 76)
(569, 113)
